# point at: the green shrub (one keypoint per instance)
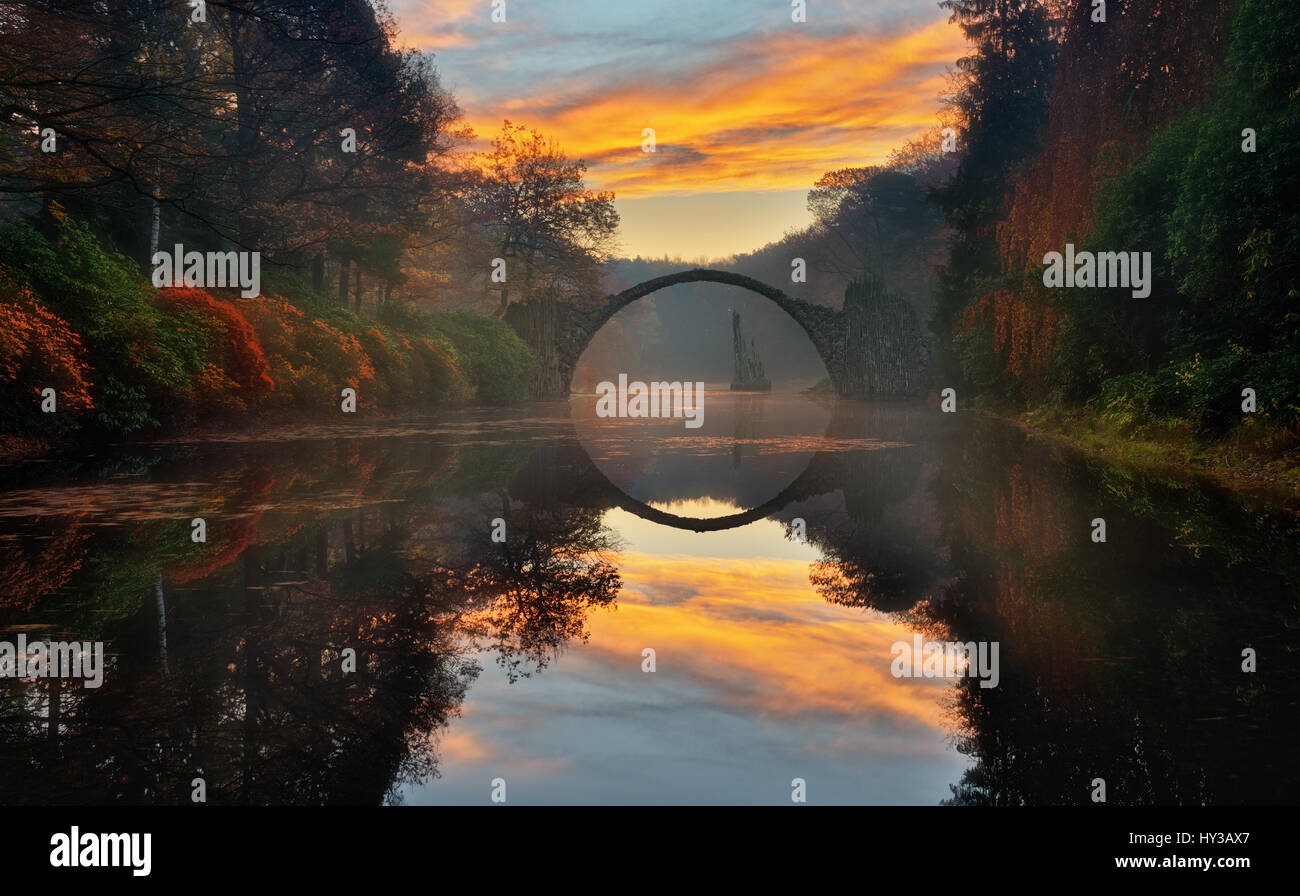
(500, 363)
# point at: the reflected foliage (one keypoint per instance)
(227, 659)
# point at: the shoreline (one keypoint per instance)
(1255, 475)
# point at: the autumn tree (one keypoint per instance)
(530, 201)
(1000, 102)
(878, 218)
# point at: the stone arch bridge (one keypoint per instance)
(873, 347)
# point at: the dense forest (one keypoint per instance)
(292, 129)
(1168, 128)
(1129, 126)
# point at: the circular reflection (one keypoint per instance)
(747, 452)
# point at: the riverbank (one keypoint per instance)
(1255, 458)
(91, 352)
(244, 428)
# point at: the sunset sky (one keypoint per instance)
(749, 108)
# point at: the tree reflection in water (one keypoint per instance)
(233, 670)
(1119, 661)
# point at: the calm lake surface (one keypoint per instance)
(350, 631)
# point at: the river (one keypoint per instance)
(536, 605)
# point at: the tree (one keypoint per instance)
(226, 133)
(113, 88)
(1000, 99)
(300, 78)
(530, 198)
(880, 222)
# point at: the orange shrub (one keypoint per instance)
(310, 360)
(38, 350)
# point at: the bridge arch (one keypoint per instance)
(566, 329)
(802, 487)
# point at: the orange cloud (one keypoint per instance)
(460, 744)
(439, 26)
(771, 115)
(757, 634)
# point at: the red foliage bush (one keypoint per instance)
(238, 357)
(339, 353)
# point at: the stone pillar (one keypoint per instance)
(886, 352)
(537, 323)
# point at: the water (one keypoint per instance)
(526, 661)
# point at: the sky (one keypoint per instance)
(748, 107)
